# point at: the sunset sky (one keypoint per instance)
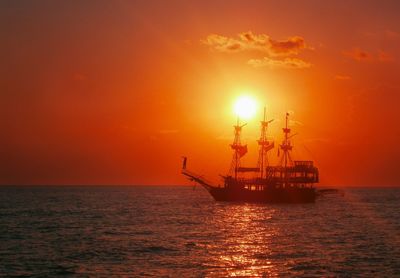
(115, 92)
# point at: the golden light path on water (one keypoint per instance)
(247, 241)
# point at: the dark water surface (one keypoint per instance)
(178, 232)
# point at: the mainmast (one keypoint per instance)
(286, 146)
(239, 150)
(264, 144)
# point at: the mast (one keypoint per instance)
(286, 147)
(264, 144)
(239, 150)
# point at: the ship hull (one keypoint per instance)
(270, 195)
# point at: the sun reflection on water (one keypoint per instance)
(247, 239)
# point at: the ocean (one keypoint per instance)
(177, 231)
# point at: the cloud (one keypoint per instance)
(257, 42)
(253, 41)
(360, 55)
(342, 77)
(277, 53)
(222, 43)
(291, 46)
(287, 63)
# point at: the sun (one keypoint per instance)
(245, 107)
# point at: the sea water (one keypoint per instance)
(177, 231)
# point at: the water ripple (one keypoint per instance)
(175, 231)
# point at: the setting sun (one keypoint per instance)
(245, 107)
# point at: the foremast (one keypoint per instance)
(239, 150)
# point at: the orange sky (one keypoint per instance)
(115, 92)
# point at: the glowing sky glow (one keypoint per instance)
(116, 92)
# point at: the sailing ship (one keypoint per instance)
(291, 181)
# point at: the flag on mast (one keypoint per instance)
(242, 150)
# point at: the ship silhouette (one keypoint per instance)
(290, 181)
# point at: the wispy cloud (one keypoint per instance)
(290, 46)
(361, 55)
(287, 63)
(259, 42)
(358, 54)
(223, 44)
(277, 53)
